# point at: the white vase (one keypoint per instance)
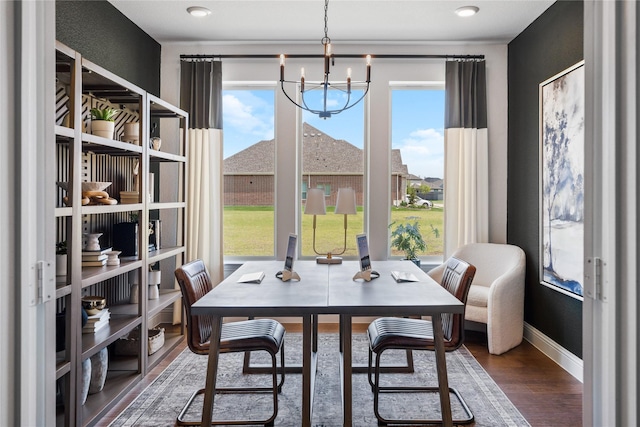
(86, 380)
(103, 128)
(61, 264)
(133, 296)
(154, 282)
(154, 292)
(132, 132)
(99, 367)
(91, 242)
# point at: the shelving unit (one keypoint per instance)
(159, 176)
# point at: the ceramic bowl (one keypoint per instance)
(93, 304)
(87, 186)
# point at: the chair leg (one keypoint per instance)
(376, 390)
(369, 369)
(275, 389)
(384, 421)
(282, 369)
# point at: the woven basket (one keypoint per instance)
(129, 345)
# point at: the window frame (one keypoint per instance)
(411, 85)
(256, 85)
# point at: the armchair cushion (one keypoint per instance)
(478, 296)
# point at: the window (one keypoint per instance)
(249, 156)
(332, 158)
(417, 162)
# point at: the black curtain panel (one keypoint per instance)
(201, 93)
(466, 95)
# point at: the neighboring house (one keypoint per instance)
(327, 163)
(436, 185)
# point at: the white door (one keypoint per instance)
(610, 321)
(28, 50)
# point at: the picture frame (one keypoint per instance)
(562, 106)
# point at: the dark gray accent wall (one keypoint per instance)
(106, 37)
(548, 46)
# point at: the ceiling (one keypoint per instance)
(349, 21)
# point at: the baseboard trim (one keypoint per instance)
(567, 360)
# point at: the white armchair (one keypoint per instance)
(496, 296)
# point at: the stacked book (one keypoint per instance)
(97, 321)
(95, 258)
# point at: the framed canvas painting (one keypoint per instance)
(562, 181)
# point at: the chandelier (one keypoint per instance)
(325, 85)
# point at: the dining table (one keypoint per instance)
(327, 289)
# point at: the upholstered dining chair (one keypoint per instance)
(241, 336)
(387, 333)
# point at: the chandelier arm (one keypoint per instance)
(352, 105)
(294, 102)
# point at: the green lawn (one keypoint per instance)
(248, 230)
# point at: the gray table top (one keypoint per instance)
(327, 289)
(383, 296)
(272, 297)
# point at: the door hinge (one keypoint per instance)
(45, 283)
(593, 278)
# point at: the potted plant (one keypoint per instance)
(102, 121)
(408, 239)
(61, 258)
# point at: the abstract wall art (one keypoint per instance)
(562, 103)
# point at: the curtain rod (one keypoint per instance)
(381, 56)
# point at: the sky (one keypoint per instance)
(417, 123)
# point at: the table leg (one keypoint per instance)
(441, 364)
(347, 391)
(307, 389)
(212, 370)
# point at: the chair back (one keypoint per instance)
(195, 282)
(457, 278)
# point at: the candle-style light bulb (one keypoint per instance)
(282, 67)
(368, 68)
(349, 79)
(302, 79)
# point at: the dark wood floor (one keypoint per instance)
(543, 392)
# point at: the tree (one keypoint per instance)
(412, 195)
(424, 189)
(555, 148)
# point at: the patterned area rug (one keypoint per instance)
(161, 402)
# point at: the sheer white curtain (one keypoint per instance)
(201, 97)
(466, 180)
(204, 198)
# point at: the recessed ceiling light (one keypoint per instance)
(467, 11)
(198, 11)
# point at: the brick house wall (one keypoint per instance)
(248, 190)
(249, 174)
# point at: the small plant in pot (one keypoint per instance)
(408, 239)
(102, 121)
(61, 258)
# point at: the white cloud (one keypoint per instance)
(423, 152)
(245, 113)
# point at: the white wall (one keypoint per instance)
(383, 72)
